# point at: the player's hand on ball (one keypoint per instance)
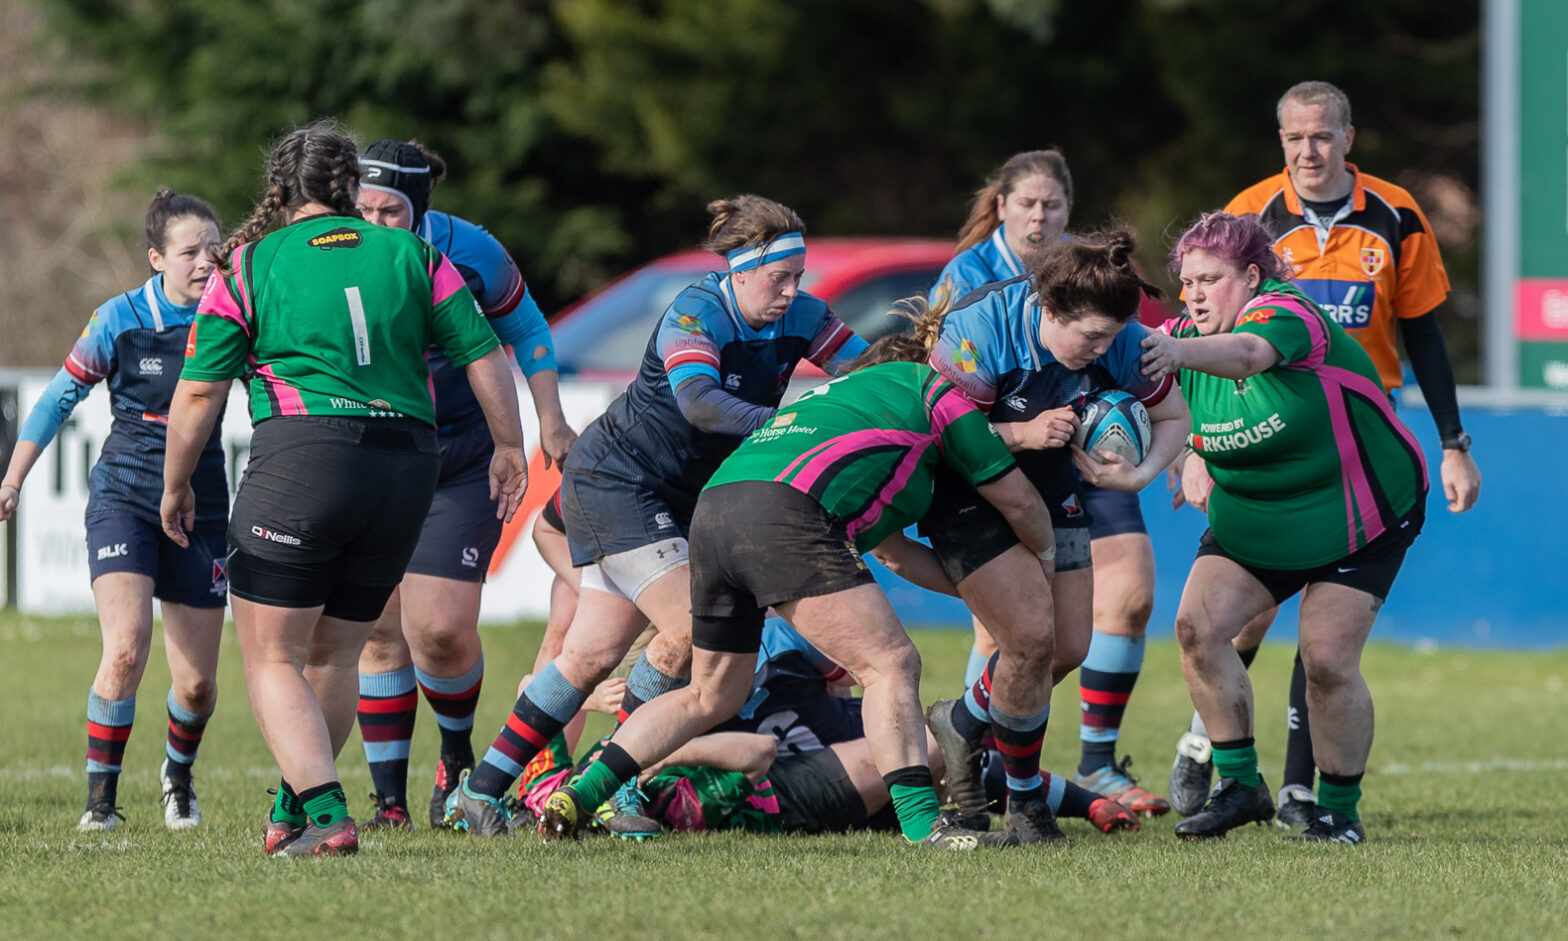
(1051, 429)
(1107, 469)
(508, 481)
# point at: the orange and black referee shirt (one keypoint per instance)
(1378, 262)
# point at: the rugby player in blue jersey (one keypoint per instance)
(1024, 348)
(715, 369)
(429, 634)
(1020, 211)
(137, 343)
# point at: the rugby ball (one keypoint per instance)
(1114, 421)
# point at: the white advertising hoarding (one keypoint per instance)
(51, 541)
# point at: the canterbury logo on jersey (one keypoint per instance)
(337, 238)
(1347, 303)
(151, 366)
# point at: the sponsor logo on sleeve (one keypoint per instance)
(1260, 317)
(190, 339)
(688, 323)
(964, 357)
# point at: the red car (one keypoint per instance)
(604, 335)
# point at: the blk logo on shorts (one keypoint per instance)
(114, 551)
(470, 557)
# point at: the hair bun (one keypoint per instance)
(1120, 243)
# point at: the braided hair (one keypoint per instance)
(318, 163)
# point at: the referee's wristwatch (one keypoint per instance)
(1459, 442)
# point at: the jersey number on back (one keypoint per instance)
(356, 317)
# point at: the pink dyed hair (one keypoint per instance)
(1239, 240)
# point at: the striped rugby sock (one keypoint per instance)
(108, 729)
(387, 708)
(972, 713)
(544, 708)
(185, 732)
(1106, 681)
(454, 701)
(1019, 738)
(645, 683)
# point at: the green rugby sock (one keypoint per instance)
(325, 804)
(604, 777)
(1239, 760)
(286, 807)
(914, 801)
(1340, 793)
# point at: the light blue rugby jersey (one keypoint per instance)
(508, 307)
(986, 261)
(990, 349)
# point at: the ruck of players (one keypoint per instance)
(713, 536)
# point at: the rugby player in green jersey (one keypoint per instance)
(328, 318)
(1311, 484)
(783, 523)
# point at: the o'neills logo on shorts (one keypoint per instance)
(337, 238)
(274, 536)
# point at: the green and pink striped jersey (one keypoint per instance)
(332, 316)
(1309, 461)
(865, 445)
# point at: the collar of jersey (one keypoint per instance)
(742, 328)
(1358, 193)
(157, 302)
(1005, 252)
(1033, 311)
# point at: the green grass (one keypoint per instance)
(1464, 809)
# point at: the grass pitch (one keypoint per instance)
(1464, 810)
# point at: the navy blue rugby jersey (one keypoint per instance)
(645, 438)
(135, 342)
